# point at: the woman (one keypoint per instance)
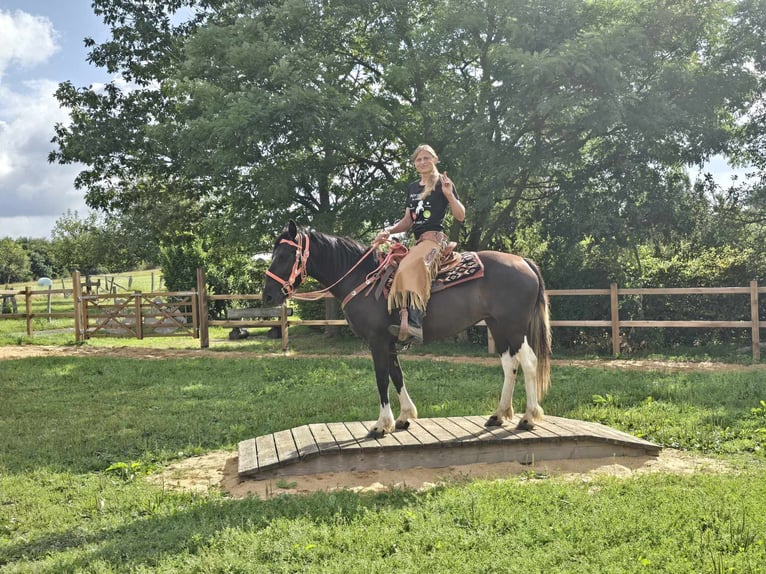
(427, 203)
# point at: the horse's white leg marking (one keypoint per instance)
(528, 360)
(504, 410)
(385, 422)
(407, 409)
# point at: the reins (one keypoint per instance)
(393, 254)
(300, 269)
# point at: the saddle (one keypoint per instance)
(454, 268)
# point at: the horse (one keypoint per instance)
(510, 298)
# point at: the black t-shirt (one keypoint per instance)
(427, 214)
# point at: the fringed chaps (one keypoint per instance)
(412, 282)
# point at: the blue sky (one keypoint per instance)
(41, 45)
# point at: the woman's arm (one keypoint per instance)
(403, 224)
(455, 205)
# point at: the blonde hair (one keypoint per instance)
(433, 177)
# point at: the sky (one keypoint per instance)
(41, 45)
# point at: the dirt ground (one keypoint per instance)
(218, 470)
(23, 351)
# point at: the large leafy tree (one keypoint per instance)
(574, 118)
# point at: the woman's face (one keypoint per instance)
(424, 162)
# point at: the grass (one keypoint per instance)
(138, 280)
(78, 435)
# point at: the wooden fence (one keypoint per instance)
(613, 323)
(129, 314)
(186, 313)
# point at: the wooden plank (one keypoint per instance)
(569, 428)
(359, 432)
(343, 438)
(267, 451)
(387, 441)
(324, 438)
(494, 433)
(286, 449)
(552, 430)
(683, 290)
(437, 431)
(504, 432)
(247, 456)
(550, 424)
(458, 433)
(256, 312)
(304, 442)
(319, 322)
(406, 438)
(705, 324)
(420, 434)
(545, 432)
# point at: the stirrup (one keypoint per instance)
(405, 331)
(412, 333)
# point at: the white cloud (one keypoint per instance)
(33, 192)
(25, 40)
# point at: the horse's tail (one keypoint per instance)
(540, 334)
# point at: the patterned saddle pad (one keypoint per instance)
(462, 267)
(467, 267)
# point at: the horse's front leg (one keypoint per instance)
(407, 409)
(385, 422)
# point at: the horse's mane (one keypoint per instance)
(342, 252)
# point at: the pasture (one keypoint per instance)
(83, 434)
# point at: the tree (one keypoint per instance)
(42, 258)
(255, 111)
(14, 263)
(77, 243)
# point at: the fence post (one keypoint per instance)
(615, 309)
(755, 320)
(138, 299)
(195, 313)
(204, 335)
(283, 320)
(78, 304)
(28, 302)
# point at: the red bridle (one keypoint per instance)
(299, 266)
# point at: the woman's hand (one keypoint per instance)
(447, 188)
(382, 236)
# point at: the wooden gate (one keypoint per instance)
(137, 314)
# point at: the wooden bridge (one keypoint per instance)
(431, 443)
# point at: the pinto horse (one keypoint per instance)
(510, 298)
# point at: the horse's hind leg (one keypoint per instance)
(407, 409)
(534, 412)
(504, 410)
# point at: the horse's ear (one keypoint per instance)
(292, 229)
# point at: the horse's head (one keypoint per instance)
(288, 265)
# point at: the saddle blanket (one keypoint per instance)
(468, 267)
(464, 267)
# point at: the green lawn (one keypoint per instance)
(80, 434)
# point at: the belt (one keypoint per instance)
(436, 236)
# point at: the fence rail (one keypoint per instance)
(614, 323)
(193, 318)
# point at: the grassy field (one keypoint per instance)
(80, 435)
(146, 280)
